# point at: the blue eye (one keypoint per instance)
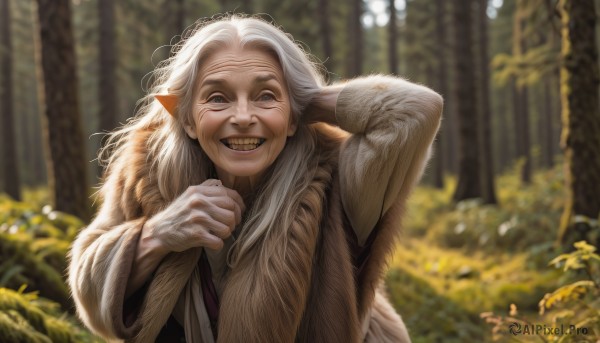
(217, 99)
(266, 97)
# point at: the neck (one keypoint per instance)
(244, 185)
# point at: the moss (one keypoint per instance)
(15, 329)
(15, 251)
(430, 316)
(26, 318)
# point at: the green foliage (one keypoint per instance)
(575, 305)
(26, 318)
(430, 316)
(33, 248)
(458, 260)
(525, 219)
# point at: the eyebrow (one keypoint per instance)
(260, 79)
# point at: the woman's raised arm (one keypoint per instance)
(393, 123)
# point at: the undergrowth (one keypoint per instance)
(457, 260)
(33, 247)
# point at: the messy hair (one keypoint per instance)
(179, 161)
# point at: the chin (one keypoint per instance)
(245, 171)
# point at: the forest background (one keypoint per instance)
(501, 234)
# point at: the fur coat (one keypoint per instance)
(327, 282)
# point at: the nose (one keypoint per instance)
(243, 116)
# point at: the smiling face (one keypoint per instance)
(241, 111)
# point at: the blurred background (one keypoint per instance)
(513, 185)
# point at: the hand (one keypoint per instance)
(202, 216)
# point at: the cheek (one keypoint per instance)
(277, 120)
(206, 125)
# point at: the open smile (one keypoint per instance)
(243, 144)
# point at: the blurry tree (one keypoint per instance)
(9, 151)
(500, 45)
(444, 137)
(65, 148)
(175, 21)
(355, 39)
(393, 38)
(485, 115)
(325, 32)
(581, 121)
(247, 6)
(107, 65)
(521, 97)
(534, 59)
(28, 137)
(469, 185)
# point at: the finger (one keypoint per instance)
(236, 197)
(229, 203)
(217, 219)
(209, 241)
(211, 182)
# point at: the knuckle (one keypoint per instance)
(199, 217)
(198, 200)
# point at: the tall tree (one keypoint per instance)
(107, 90)
(65, 147)
(354, 66)
(248, 6)
(175, 11)
(581, 119)
(393, 39)
(442, 88)
(521, 98)
(469, 185)
(325, 31)
(9, 151)
(485, 131)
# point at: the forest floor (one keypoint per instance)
(456, 262)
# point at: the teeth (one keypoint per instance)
(243, 144)
(243, 147)
(241, 141)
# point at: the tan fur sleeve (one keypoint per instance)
(393, 123)
(101, 261)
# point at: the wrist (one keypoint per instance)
(150, 244)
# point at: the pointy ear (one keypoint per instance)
(169, 102)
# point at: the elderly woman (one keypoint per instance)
(249, 202)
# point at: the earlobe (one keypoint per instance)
(169, 102)
(191, 132)
(292, 129)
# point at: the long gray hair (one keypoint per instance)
(180, 162)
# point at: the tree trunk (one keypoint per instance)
(248, 6)
(504, 141)
(485, 132)
(325, 30)
(581, 120)
(180, 17)
(9, 148)
(442, 88)
(65, 147)
(547, 124)
(393, 39)
(521, 102)
(107, 89)
(469, 185)
(354, 66)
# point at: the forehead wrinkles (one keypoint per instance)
(240, 62)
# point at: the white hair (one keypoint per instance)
(179, 160)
